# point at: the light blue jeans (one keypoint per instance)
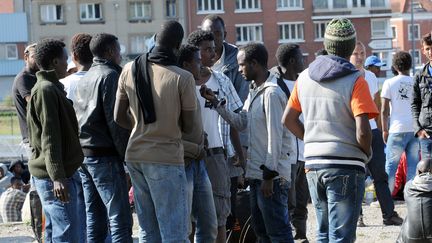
(106, 199)
(201, 202)
(397, 143)
(160, 194)
(337, 195)
(61, 219)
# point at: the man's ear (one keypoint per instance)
(225, 34)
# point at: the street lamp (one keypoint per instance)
(412, 37)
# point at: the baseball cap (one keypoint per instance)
(373, 61)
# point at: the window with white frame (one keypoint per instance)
(248, 5)
(171, 9)
(140, 10)
(320, 30)
(380, 28)
(416, 57)
(248, 32)
(291, 32)
(51, 13)
(138, 44)
(287, 4)
(359, 3)
(416, 30)
(11, 51)
(340, 4)
(320, 4)
(90, 11)
(378, 3)
(210, 6)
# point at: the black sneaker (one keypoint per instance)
(393, 220)
(360, 222)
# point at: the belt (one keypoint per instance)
(213, 151)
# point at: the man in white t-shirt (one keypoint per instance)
(400, 137)
(219, 133)
(376, 165)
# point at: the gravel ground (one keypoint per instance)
(373, 232)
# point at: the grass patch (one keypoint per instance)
(9, 123)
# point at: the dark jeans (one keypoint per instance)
(376, 167)
(270, 218)
(106, 199)
(298, 199)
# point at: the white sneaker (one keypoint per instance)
(375, 204)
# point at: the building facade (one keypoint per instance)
(133, 21)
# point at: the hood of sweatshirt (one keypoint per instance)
(330, 67)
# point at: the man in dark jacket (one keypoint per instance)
(104, 144)
(56, 151)
(422, 101)
(417, 226)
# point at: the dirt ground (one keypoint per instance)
(373, 232)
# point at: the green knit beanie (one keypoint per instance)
(340, 37)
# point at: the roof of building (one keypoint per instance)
(11, 67)
(13, 28)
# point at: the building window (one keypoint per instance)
(285, 4)
(340, 4)
(138, 44)
(51, 13)
(416, 57)
(248, 5)
(320, 30)
(90, 12)
(291, 32)
(248, 33)
(378, 3)
(171, 9)
(394, 32)
(210, 6)
(380, 28)
(320, 4)
(140, 10)
(359, 3)
(11, 51)
(416, 30)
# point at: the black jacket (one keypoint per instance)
(94, 105)
(421, 104)
(417, 226)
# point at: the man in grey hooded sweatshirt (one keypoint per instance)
(336, 106)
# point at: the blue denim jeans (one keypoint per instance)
(61, 221)
(425, 148)
(81, 208)
(397, 143)
(376, 167)
(270, 218)
(200, 197)
(106, 199)
(160, 194)
(337, 195)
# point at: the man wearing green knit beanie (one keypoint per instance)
(337, 106)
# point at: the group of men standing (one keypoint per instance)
(184, 118)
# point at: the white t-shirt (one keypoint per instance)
(372, 82)
(220, 63)
(399, 91)
(70, 83)
(300, 142)
(209, 116)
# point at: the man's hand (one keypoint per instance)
(267, 187)
(61, 191)
(385, 135)
(207, 93)
(422, 134)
